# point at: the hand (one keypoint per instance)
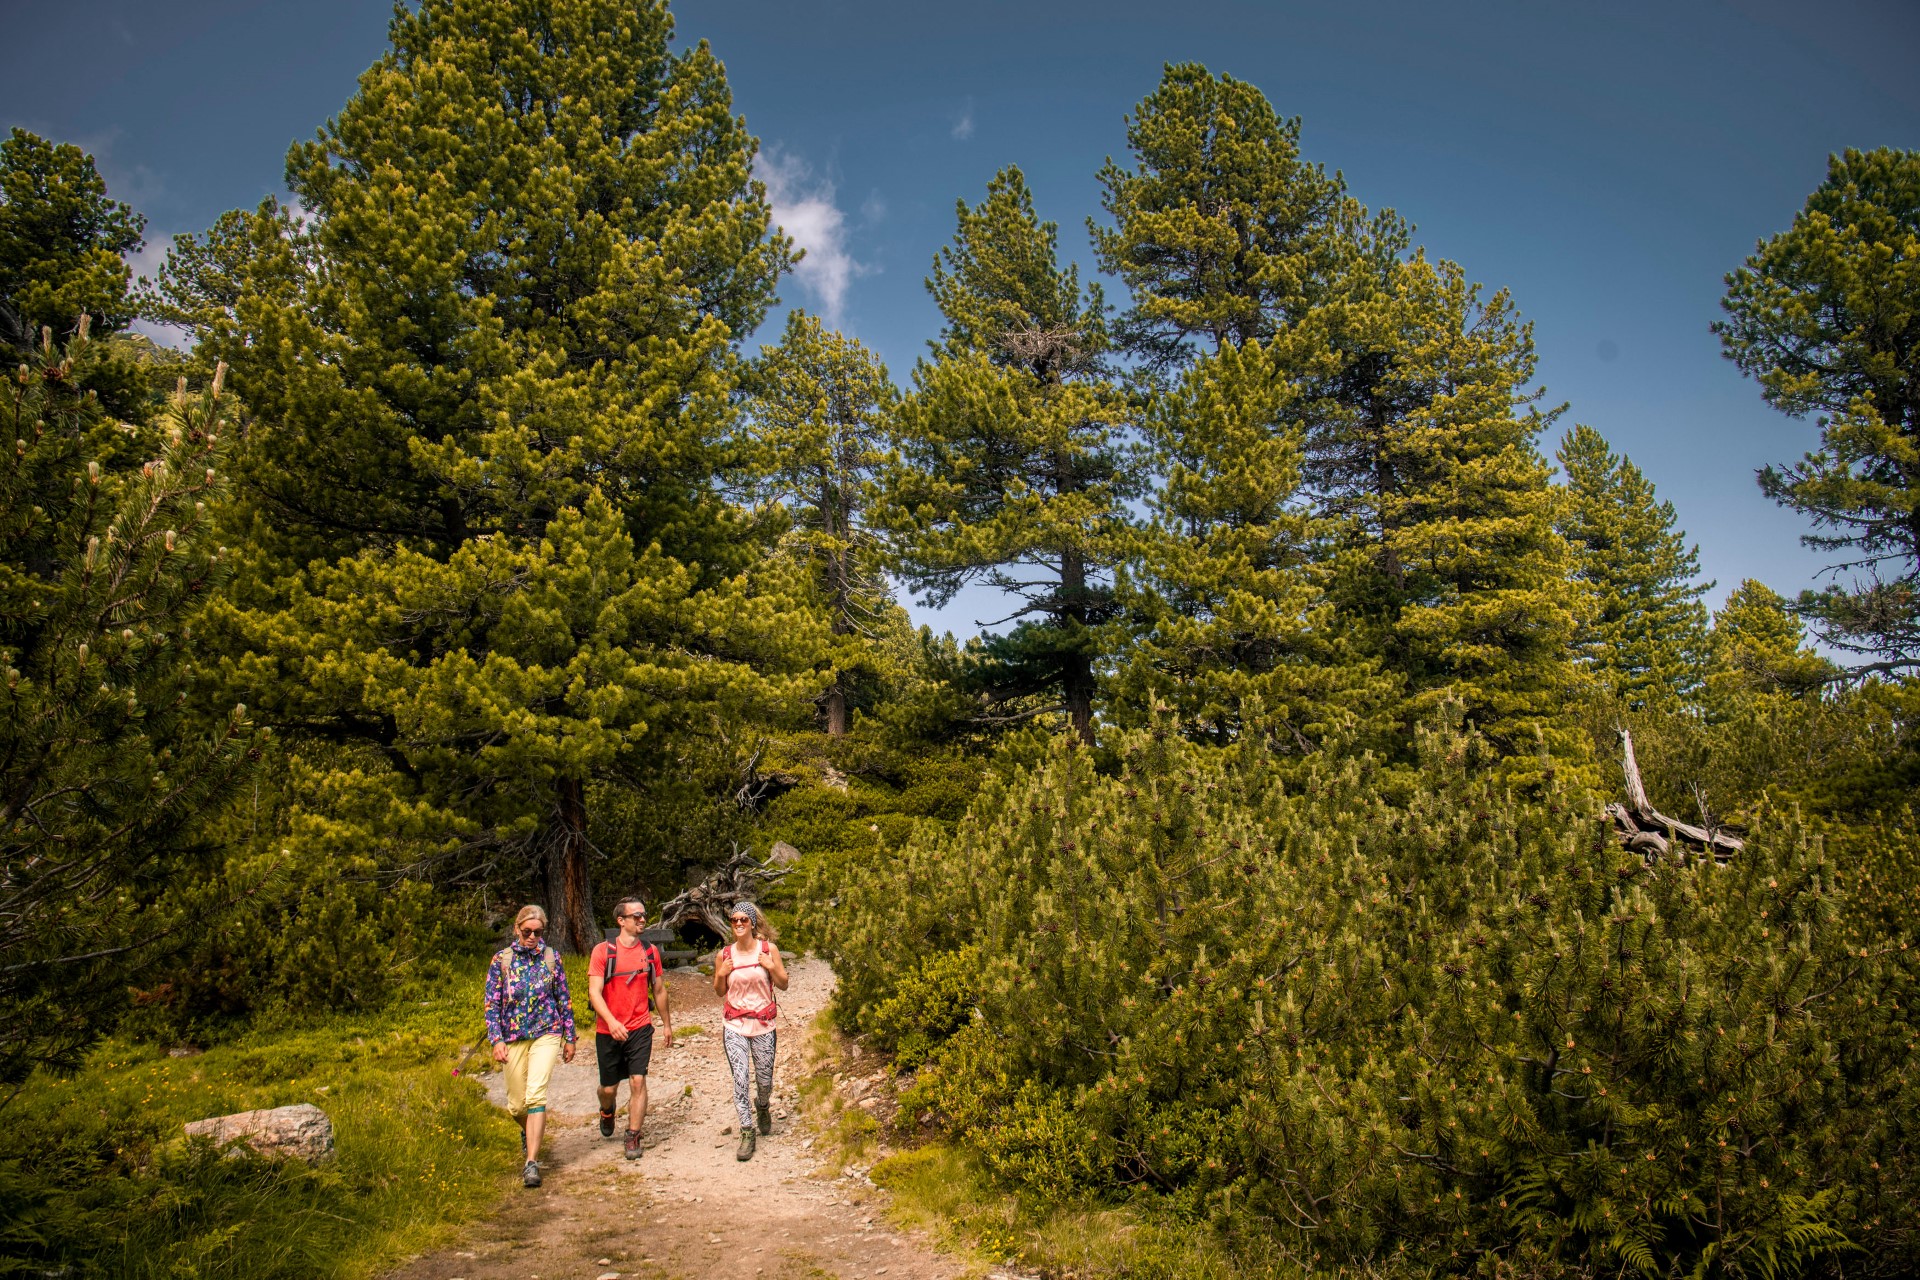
(666, 1037)
(499, 1051)
(566, 1054)
(723, 962)
(619, 1032)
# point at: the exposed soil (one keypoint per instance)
(688, 1208)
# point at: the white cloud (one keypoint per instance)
(963, 126)
(803, 207)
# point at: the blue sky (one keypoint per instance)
(1607, 163)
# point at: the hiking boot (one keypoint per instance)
(746, 1145)
(606, 1124)
(763, 1112)
(632, 1151)
(530, 1176)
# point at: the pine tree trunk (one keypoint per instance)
(1076, 676)
(1079, 698)
(841, 622)
(570, 926)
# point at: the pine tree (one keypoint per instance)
(1827, 316)
(1759, 652)
(1645, 634)
(1221, 232)
(61, 242)
(821, 420)
(111, 760)
(1228, 242)
(493, 372)
(1423, 450)
(1017, 459)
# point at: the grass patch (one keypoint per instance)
(942, 1189)
(97, 1180)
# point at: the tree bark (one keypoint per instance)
(1076, 677)
(839, 527)
(570, 924)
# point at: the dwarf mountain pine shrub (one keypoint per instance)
(1377, 1015)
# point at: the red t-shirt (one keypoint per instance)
(633, 972)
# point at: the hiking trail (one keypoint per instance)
(687, 1208)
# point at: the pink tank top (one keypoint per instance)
(750, 989)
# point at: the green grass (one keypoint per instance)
(96, 1177)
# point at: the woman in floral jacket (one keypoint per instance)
(530, 1022)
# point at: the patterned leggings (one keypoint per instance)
(739, 1049)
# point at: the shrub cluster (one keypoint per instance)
(1408, 1014)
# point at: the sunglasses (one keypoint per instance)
(532, 930)
(741, 919)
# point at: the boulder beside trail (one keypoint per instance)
(300, 1132)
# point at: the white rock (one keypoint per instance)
(300, 1132)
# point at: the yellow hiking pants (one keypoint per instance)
(530, 1065)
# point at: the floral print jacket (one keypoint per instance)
(527, 995)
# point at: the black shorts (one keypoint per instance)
(619, 1060)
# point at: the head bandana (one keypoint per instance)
(747, 909)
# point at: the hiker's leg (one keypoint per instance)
(638, 1057)
(517, 1080)
(737, 1058)
(636, 1103)
(610, 1056)
(763, 1064)
(542, 1056)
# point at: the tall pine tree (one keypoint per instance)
(1423, 450)
(493, 373)
(1228, 241)
(821, 421)
(112, 760)
(62, 242)
(1827, 316)
(1644, 638)
(1018, 462)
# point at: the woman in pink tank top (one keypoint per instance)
(746, 972)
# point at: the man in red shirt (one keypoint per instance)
(624, 979)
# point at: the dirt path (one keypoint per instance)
(688, 1208)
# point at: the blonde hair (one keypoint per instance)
(531, 911)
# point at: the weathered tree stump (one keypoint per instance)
(1652, 834)
(741, 876)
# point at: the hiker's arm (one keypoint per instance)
(776, 967)
(563, 1000)
(722, 966)
(661, 1003)
(597, 997)
(496, 1026)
